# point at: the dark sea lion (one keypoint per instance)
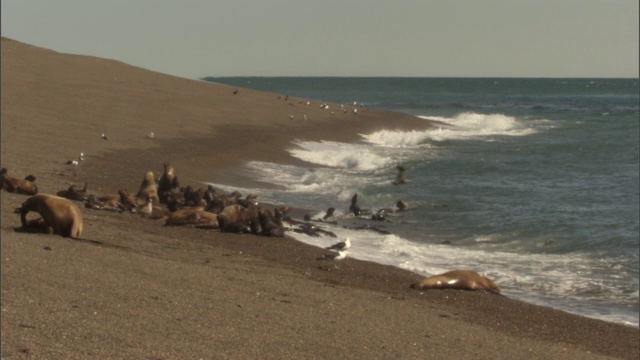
(354, 208)
(74, 194)
(400, 179)
(271, 222)
(59, 215)
(25, 186)
(328, 214)
(457, 279)
(166, 183)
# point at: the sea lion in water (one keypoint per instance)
(400, 179)
(59, 215)
(402, 205)
(24, 186)
(457, 279)
(354, 208)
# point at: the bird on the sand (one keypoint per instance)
(334, 255)
(105, 137)
(341, 246)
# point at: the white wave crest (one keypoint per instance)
(339, 155)
(461, 127)
(474, 125)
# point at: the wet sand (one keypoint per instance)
(132, 288)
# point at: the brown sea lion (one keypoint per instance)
(148, 189)
(24, 186)
(192, 216)
(59, 215)
(457, 279)
(271, 221)
(74, 194)
(402, 205)
(130, 202)
(235, 218)
(103, 203)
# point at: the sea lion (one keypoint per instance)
(235, 218)
(192, 216)
(151, 211)
(166, 180)
(271, 222)
(457, 279)
(104, 203)
(400, 179)
(24, 186)
(74, 194)
(59, 215)
(354, 208)
(402, 205)
(130, 202)
(148, 189)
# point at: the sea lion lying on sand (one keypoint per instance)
(59, 215)
(239, 219)
(24, 186)
(457, 279)
(74, 194)
(192, 216)
(103, 203)
(271, 221)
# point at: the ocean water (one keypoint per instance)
(531, 182)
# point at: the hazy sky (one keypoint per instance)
(461, 38)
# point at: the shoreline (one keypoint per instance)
(138, 289)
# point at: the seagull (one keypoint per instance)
(81, 157)
(334, 255)
(150, 135)
(71, 162)
(341, 246)
(235, 92)
(105, 137)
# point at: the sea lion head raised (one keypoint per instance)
(26, 186)
(148, 189)
(166, 180)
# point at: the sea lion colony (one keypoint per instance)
(206, 208)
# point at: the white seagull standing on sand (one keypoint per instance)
(334, 255)
(341, 246)
(105, 137)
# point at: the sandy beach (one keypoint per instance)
(132, 288)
